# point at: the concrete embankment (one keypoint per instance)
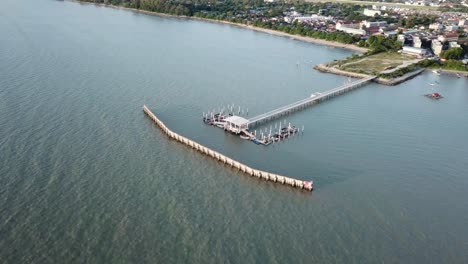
(306, 185)
(325, 68)
(395, 81)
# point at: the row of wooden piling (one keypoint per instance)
(306, 185)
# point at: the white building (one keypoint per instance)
(414, 51)
(311, 18)
(453, 45)
(417, 42)
(401, 38)
(353, 31)
(451, 28)
(369, 24)
(340, 25)
(436, 46)
(371, 13)
(436, 26)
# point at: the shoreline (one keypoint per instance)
(449, 72)
(325, 69)
(398, 80)
(332, 44)
(390, 82)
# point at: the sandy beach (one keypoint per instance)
(268, 31)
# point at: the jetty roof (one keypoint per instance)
(237, 120)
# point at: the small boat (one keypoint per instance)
(256, 141)
(431, 84)
(308, 185)
(244, 137)
(435, 96)
(458, 75)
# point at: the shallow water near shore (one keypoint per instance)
(85, 176)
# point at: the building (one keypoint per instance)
(414, 51)
(436, 26)
(410, 32)
(353, 31)
(350, 28)
(371, 13)
(451, 28)
(310, 18)
(378, 24)
(417, 42)
(453, 45)
(236, 124)
(463, 22)
(390, 33)
(341, 24)
(401, 38)
(448, 37)
(437, 47)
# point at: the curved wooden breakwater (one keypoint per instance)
(306, 185)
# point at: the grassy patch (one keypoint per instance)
(375, 64)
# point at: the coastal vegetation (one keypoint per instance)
(377, 44)
(454, 65)
(409, 68)
(254, 12)
(453, 54)
(381, 58)
(306, 31)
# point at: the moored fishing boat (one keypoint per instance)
(435, 96)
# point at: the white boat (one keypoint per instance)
(219, 124)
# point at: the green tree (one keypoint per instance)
(453, 54)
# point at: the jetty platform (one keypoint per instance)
(300, 184)
(315, 98)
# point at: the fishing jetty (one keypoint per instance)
(305, 185)
(312, 100)
(240, 126)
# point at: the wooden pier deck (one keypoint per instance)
(306, 185)
(309, 101)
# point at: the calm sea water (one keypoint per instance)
(85, 177)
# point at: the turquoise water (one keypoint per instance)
(85, 177)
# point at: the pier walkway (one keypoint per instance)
(309, 101)
(306, 185)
